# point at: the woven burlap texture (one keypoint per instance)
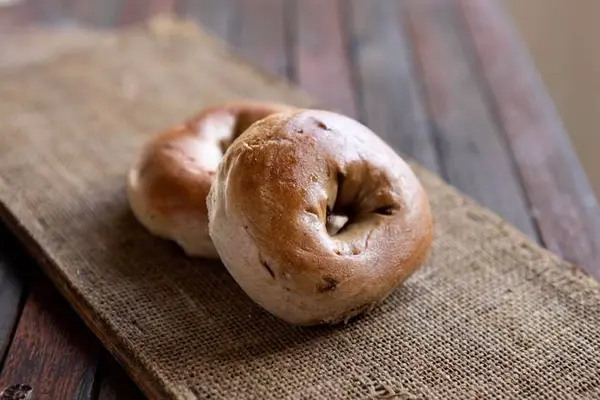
(491, 315)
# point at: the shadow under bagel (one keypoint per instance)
(190, 310)
(195, 316)
(169, 290)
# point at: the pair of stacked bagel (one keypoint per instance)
(313, 215)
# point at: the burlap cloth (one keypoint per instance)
(490, 316)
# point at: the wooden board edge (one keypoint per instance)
(84, 310)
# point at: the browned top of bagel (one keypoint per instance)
(169, 183)
(277, 186)
(182, 160)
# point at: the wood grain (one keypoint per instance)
(473, 154)
(52, 353)
(321, 58)
(12, 290)
(389, 98)
(260, 35)
(563, 202)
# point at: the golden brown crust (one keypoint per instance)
(276, 188)
(168, 185)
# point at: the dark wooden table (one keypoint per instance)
(447, 81)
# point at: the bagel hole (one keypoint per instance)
(385, 210)
(340, 180)
(338, 217)
(336, 223)
(360, 198)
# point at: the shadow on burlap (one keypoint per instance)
(491, 315)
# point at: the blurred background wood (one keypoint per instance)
(445, 82)
(562, 39)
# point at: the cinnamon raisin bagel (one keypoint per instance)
(272, 201)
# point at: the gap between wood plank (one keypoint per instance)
(12, 288)
(114, 384)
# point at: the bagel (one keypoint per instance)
(274, 195)
(168, 184)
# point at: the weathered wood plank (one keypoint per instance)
(564, 205)
(216, 16)
(52, 355)
(389, 97)
(260, 35)
(473, 154)
(321, 56)
(12, 290)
